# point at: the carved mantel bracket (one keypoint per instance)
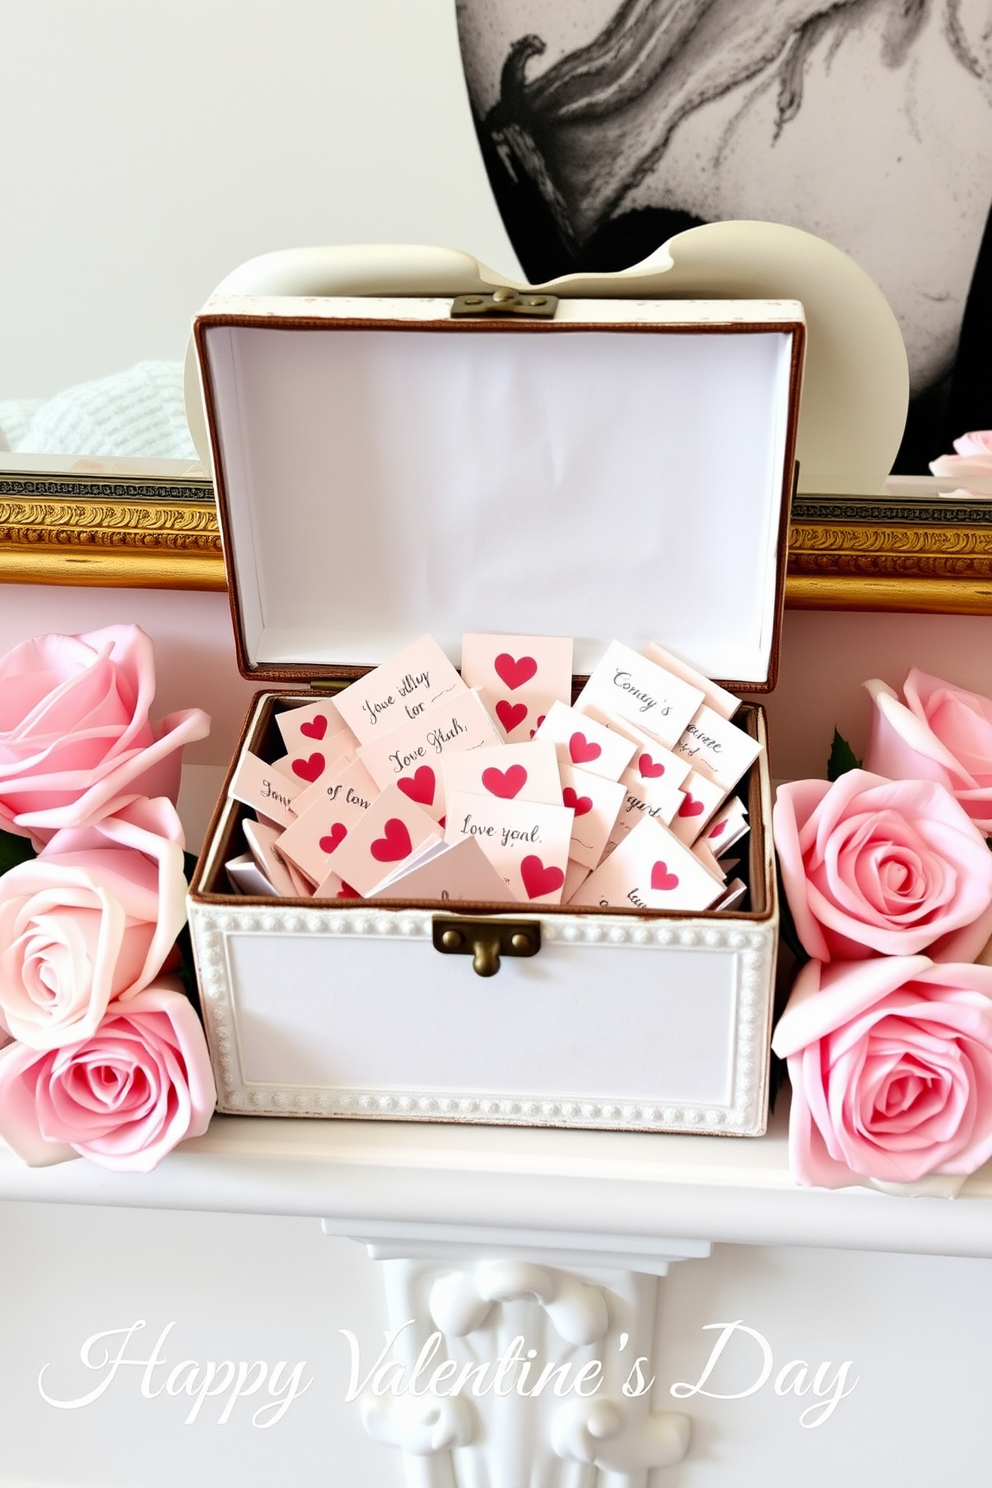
(520, 1359)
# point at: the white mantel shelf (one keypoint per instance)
(590, 1191)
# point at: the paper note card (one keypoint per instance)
(519, 677)
(513, 772)
(717, 749)
(596, 803)
(650, 869)
(625, 684)
(457, 871)
(526, 841)
(269, 792)
(584, 742)
(393, 831)
(314, 726)
(410, 756)
(409, 684)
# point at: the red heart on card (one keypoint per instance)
(419, 786)
(582, 751)
(334, 838)
(514, 671)
(316, 728)
(510, 714)
(718, 829)
(690, 806)
(579, 804)
(347, 892)
(394, 844)
(661, 879)
(539, 722)
(649, 768)
(505, 783)
(309, 769)
(539, 880)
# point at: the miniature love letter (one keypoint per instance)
(392, 831)
(519, 677)
(650, 869)
(630, 686)
(526, 841)
(404, 687)
(584, 742)
(411, 756)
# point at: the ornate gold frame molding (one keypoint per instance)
(844, 552)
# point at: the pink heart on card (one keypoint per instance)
(579, 804)
(649, 768)
(419, 786)
(334, 838)
(510, 714)
(690, 806)
(514, 671)
(582, 751)
(394, 844)
(316, 728)
(539, 880)
(718, 829)
(309, 769)
(661, 879)
(505, 783)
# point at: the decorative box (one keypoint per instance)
(597, 467)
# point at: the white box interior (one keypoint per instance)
(602, 482)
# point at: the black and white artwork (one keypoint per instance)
(606, 128)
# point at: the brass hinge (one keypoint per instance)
(505, 302)
(486, 940)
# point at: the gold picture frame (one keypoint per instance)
(927, 553)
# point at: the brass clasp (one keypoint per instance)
(504, 302)
(486, 940)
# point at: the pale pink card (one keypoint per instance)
(718, 698)
(575, 874)
(643, 798)
(350, 785)
(392, 831)
(519, 676)
(651, 760)
(258, 785)
(513, 772)
(624, 684)
(334, 887)
(410, 756)
(526, 841)
(584, 742)
(313, 726)
(263, 843)
(312, 842)
(650, 869)
(716, 748)
(402, 688)
(702, 801)
(308, 765)
(459, 871)
(596, 802)
(732, 895)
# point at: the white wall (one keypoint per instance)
(148, 148)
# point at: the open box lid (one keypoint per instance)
(384, 470)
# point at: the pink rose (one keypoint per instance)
(75, 738)
(888, 866)
(941, 732)
(972, 465)
(122, 1097)
(92, 919)
(891, 1068)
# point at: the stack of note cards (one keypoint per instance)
(491, 786)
